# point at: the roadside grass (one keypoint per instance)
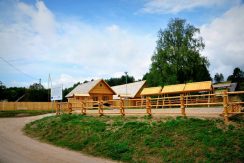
(22, 113)
(144, 139)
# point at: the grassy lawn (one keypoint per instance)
(145, 139)
(22, 113)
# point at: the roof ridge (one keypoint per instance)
(130, 83)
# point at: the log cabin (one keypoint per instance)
(129, 91)
(91, 91)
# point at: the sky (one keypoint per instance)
(91, 39)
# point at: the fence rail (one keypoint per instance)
(226, 104)
(230, 103)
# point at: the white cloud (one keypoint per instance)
(224, 39)
(69, 49)
(176, 6)
(41, 18)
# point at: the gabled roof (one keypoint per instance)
(178, 88)
(151, 91)
(222, 85)
(198, 86)
(132, 89)
(229, 85)
(85, 88)
(232, 87)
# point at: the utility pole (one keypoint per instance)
(126, 83)
(126, 87)
(49, 87)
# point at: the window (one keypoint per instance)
(101, 85)
(95, 98)
(105, 98)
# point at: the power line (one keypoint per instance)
(17, 69)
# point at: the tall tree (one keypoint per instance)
(37, 93)
(2, 91)
(218, 77)
(177, 57)
(237, 76)
(121, 80)
(67, 90)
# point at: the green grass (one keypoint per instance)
(22, 113)
(144, 139)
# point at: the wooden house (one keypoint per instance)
(226, 86)
(91, 91)
(129, 91)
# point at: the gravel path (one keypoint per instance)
(16, 147)
(213, 112)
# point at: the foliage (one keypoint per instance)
(143, 139)
(67, 90)
(36, 86)
(237, 76)
(177, 57)
(22, 113)
(218, 77)
(120, 81)
(35, 93)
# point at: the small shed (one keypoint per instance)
(205, 86)
(227, 86)
(151, 91)
(173, 89)
(94, 90)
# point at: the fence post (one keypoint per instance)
(122, 109)
(57, 109)
(83, 110)
(225, 104)
(100, 104)
(69, 108)
(148, 106)
(182, 105)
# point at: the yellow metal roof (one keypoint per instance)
(151, 91)
(198, 86)
(178, 88)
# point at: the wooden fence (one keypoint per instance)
(27, 106)
(226, 104)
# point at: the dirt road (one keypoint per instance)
(16, 147)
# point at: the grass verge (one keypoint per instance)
(22, 113)
(144, 139)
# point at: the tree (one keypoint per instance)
(67, 90)
(2, 91)
(36, 86)
(218, 77)
(237, 76)
(37, 93)
(177, 57)
(119, 81)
